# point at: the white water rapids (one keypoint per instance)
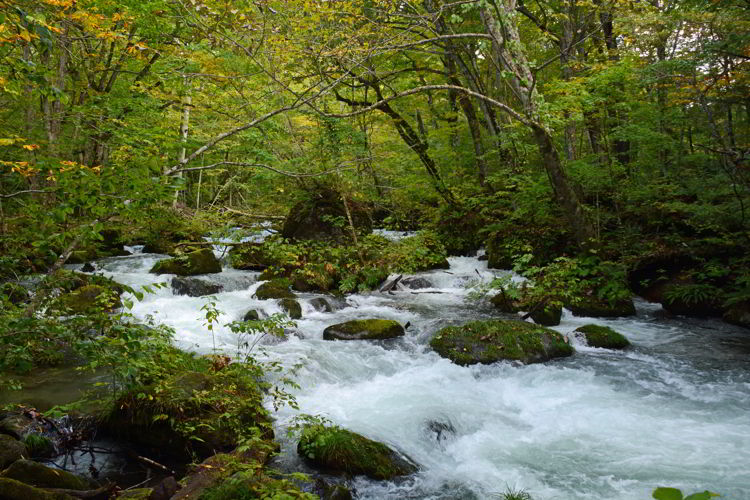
(602, 425)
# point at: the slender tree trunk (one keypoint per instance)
(187, 102)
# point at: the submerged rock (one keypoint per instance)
(274, 289)
(338, 450)
(332, 491)
(416, 282)
(320, 304)
(193, 287)
(11, 450)
(594, 307)
(603, 336)
(364, 329)
(41, 476)
(495, 340)
(198, 262)
(292, 308)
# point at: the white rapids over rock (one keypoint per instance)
(672, 411)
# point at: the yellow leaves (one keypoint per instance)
(30, 147)
(25, 35)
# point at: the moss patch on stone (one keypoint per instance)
(495, 340)
(547, 316)
(341, 451)
(199, 262)
(274, 289)
(11, 450)
(603, 336)
(364, 329)
(597, 308)
(250, 257)
(41, 476)
(292, 308)
(10, 489)
(189, 413)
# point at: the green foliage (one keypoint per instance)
(663, 493)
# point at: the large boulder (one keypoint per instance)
(547, 315)
(495, 340)
(323, 217)
(292, 308)
(194, 287)
(174, 417)
(595, 307)
(603, 336)
(41, 476)
(11, 450)
(321, 305)
(201, 261)
(364, 329)
(338, 450)
(274, 289)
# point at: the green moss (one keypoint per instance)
(193, 412)
(547, 316)
(199, 262)
(86, 299)
(364, 329)
(597, 308)
(11, 450)
(39, 445)
(137, 494)
(250, 256)
(603, 336)
(274, 289)
(292, 308)
(339, 450)
(41, 476)
(495, 340)
(10, 489)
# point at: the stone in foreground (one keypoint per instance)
(364, 329)
(496, 340)
(338, 450)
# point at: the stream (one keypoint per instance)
(674, 410)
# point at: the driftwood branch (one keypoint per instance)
(104, 492)
(255, 216)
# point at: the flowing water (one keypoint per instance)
(673, 410)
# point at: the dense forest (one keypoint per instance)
(566, 156)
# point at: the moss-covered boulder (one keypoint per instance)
(190, 413)
(738, 314)
(595, 307)
(39, 445)
(338, 450)
(364, 329)
(292, 308)
(690, 299)
(10, 489)
(322, 216)
(251, 315)
(547, 315)
(423, 252)
(41, 476)
(87, 299)
(11, 450)
(201, 261)
(250, 257)
(603, 336)
(495, 340)
(314, 277)
(274, 289)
